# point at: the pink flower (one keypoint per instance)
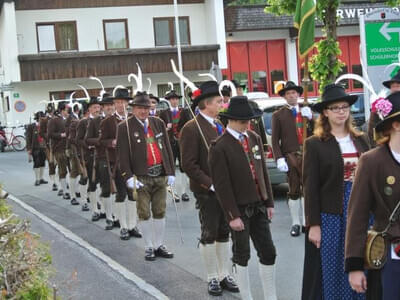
(382, 107)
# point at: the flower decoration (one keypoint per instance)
(197, 93)
(382, 107)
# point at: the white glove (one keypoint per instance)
(212, 189)
(306, 112)
(130, 181)
(282, 165)
(171, 180)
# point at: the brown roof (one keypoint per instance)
(253, 17)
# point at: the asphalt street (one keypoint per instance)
(81, 274)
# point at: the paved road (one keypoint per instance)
(179, 278)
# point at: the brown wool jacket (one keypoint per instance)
(32, 135)
(92, 137)
(232, 177)
(68, 122)
(55, 128)
(323, 175)
(80, 138)
(43, 128)
(133, 157)
(108, 133)
(195, 154)
(376, 190)
(284, 134)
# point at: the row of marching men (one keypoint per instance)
(225, 163)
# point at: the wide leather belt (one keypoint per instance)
(155, 170)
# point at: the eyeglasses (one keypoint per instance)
(337, 109)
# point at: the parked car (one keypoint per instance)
(358, 111)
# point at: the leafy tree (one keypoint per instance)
(325, 65)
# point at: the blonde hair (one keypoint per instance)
(323, 128)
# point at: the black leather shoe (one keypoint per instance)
(88, 200)
(185, 197)
(295, 231)
(214, 288)
(54, 188)
(102, 215)
(37, 182)
(78, 195)
(176, 198)
(135, 233)
(149, 254)
(60, 193)
(74, 202)
(109, 225)
(66, 196)
(162, 251)
(42, 181)
(116, 224)
(95, 217)
(229, 284)
(124, 234)
(85, 207)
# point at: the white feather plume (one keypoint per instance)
(103, 91)
(208, 75)
(71, 97)
(358, 78)
(276, 85)
(183, 78)
(229, 84)
(86, 92)
(170, 86)
(148, 89)
(117, 88)
(140, 78)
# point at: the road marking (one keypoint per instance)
(143, 285)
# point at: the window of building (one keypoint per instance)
(241, 78)
(116, 34)
(357, 70)
(59, 36)
(345, 83)
(164, 31)
(259, 81)
(276, 75)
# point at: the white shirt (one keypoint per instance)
(236, 134)
(209, 119)
(143, 122)
(91, 116)
(119, 116)
(75, 115)
(396, 155)
(346, 144)
(296, 107)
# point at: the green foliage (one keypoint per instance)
(322, 69)
(247, 2)
(25, 262)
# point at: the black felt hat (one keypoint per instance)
(334, 93)
(141, 99)
(395, 78)
(394, 99)
(151, 96)
(290, 85)
(122, 94)
(93, 100)
(240, 109)
(172, 94)
(207, 89)
(106, 99)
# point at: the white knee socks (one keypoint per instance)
(72, 186)
(37, 173)
(224, 263)
(108, 208)
(159, 229)
(132, 214)
(294, 208)
(208, 252)
(243, 281)
(121, 208)
(267, 275)
(146, 227)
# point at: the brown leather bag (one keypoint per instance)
(376, 245)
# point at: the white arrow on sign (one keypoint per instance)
(385, 31)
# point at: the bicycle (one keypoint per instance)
(16, 142)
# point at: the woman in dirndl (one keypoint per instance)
(376, 190)
(330, 160)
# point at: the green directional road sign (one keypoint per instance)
(382, 43)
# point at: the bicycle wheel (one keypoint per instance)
(18, 143)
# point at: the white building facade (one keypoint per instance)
(47, 49)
